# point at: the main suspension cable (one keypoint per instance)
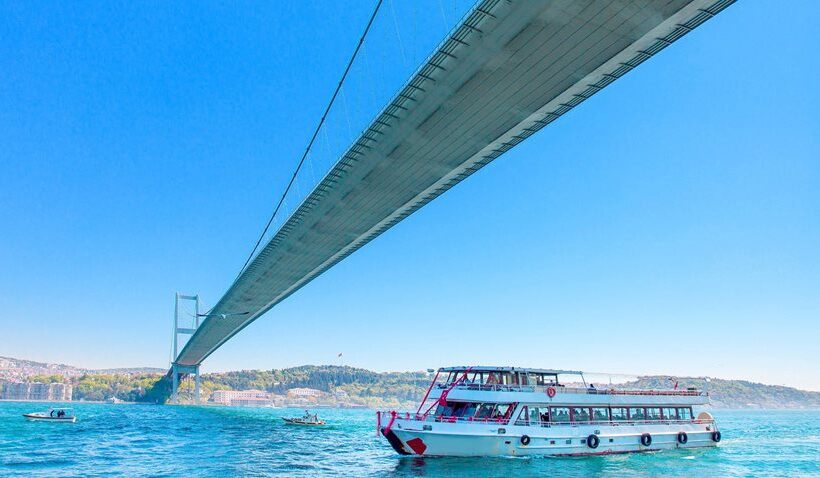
(312, 138)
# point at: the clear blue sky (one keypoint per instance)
(671, 224)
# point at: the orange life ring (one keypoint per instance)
(550, 392)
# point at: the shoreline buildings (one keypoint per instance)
(57, 392)
(241, 398)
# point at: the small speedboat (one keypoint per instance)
(60, 415)
(307, 419)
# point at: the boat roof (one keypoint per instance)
(484, 368)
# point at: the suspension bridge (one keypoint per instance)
(506, 70)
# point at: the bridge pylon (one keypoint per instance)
(179, 370)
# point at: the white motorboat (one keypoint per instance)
(510, 411)
(309, 419)
(58, 415)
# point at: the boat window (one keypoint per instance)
(524, 416)
(670, 414)
(502, 410)
(653, 413)
(493, 410)
(543, 415)
(600, 414)
(469, 410)
(485, 410)
(637, 414)
(444, 410)
(580, 414)
(559, 414)
(534, 415)
(684, 413)
(503, 378)
(464, 409)
(544, 380)
(620, 414)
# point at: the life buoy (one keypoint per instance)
(646, 439)
(525, 440)
(682, 438)
(550, 392)
(715, 436)
(593, 441)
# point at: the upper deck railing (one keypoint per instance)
(527, 422)
(559, 389)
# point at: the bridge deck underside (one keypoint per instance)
(508, 70)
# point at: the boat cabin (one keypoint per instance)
(525, 396)
(492, 377)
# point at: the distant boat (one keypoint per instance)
(60, 415)
(308, 419)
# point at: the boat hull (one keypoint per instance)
(291, 421)
(41, 418)
(456, 440)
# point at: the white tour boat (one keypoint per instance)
(510, 411)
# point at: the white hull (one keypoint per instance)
(446, 439)
(49, 419)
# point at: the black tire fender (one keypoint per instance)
(715, 436)
(646, 439)
(682, 438)
(593, 441)
(525, 440)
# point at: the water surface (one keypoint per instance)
(147, 440)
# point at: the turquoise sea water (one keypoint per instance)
(144, 440)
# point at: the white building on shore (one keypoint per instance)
(304, 393)
(241, 398)
(59, 392)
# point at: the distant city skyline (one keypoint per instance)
(669, 225)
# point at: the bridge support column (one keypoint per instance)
(179, 371)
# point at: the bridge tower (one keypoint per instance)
(179, 370)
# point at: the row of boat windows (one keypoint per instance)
(475, 410)
(501, 378)
(603, 414)
(562, 414)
